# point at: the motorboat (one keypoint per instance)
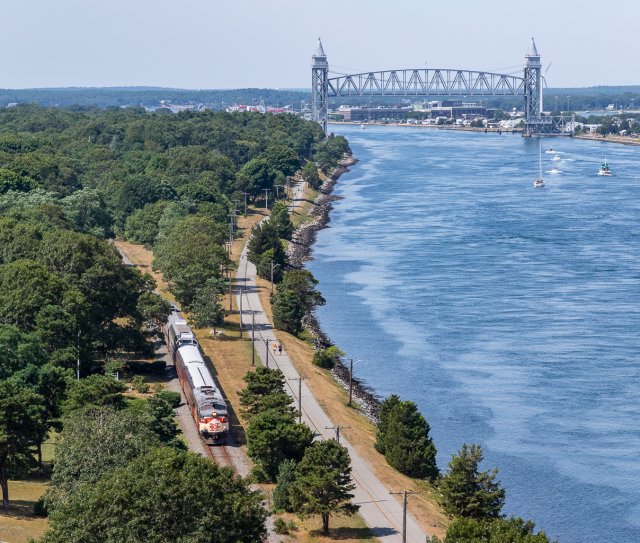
(557, 157)
(605, 169)
(551, 151)
(539, 182)
(555, 170)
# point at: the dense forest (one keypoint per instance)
(69, 182)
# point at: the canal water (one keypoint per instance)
(509, 314)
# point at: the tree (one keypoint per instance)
(499, 530)
(95, 390)
(323, 482)
(274, 436)
(160, 418)
(20, 415)
(384, 420)
(164, 495)
(95, 442)
(466, 492)
(295, 297)
(405, 440)
(206, 309)
(264, 390)
(282, 498)
(19, 350)
(310, 175)
(281, 220)
(154, 311)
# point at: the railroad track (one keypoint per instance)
(220, 455)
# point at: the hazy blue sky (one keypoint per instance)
(220, 44)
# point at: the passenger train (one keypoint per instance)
(208, 408)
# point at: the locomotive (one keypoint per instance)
(208, 408)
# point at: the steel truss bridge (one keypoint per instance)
(426, 82)
(434, 82)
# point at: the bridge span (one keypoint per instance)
(432, 82)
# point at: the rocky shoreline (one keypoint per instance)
(299, 252)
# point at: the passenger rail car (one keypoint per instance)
(208, 408)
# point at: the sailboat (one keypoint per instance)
(605, 169)
(539, 182)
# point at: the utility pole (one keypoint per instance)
(253, 338)
(337, 429)
(240, 312)
(277, 191)
(230, 293)
(266, 199)
(266, 341)
(245, 203)
(405, 494)
(299, 379)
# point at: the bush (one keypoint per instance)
(40, 508)
(280, 526)
(327, 358)
(139, 384)
(282, 492)
(172, 398)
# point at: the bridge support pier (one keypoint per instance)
(320, 87)
(535, 123)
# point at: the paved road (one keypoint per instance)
(380, 511)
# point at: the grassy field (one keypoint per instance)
(18, 524)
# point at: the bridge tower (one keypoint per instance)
(320, 87)
(533, 91)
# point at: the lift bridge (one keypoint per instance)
(435, 82)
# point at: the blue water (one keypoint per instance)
(509, 314)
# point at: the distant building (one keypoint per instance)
(364, 114)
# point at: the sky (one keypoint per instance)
(258, 43)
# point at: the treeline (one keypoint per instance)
(313, 477)
(108, 97)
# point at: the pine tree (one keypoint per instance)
(323, 482)
(406, 443)
(466, 492)
(282, 499)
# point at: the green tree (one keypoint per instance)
(274, 436)
(206, 309)
(281, 220)
(296, 296)
(405, 441)
(467, 492)
(282, 498)
(323, 482)
(163, 496)
(19, 350)
(311, 176)
(499, 530)
(20, 415)
(154, 311)
(264, 390)
(95, 390)
(95, 442)
(385, 420)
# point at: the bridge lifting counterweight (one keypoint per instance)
(433, 82)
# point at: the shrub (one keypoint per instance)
(280, 526)
(172, 398)
(40, 508)
(327, 358)
(139, 384)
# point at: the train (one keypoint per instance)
(207, 405)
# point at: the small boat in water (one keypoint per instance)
(539, 182)
(557, 157)
(362, 127)
(555, 170)
(551, 151)
(605, 169)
